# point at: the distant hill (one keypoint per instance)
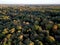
(31, 5)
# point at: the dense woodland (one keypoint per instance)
(30, 25)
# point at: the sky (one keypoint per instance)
(29, 1)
